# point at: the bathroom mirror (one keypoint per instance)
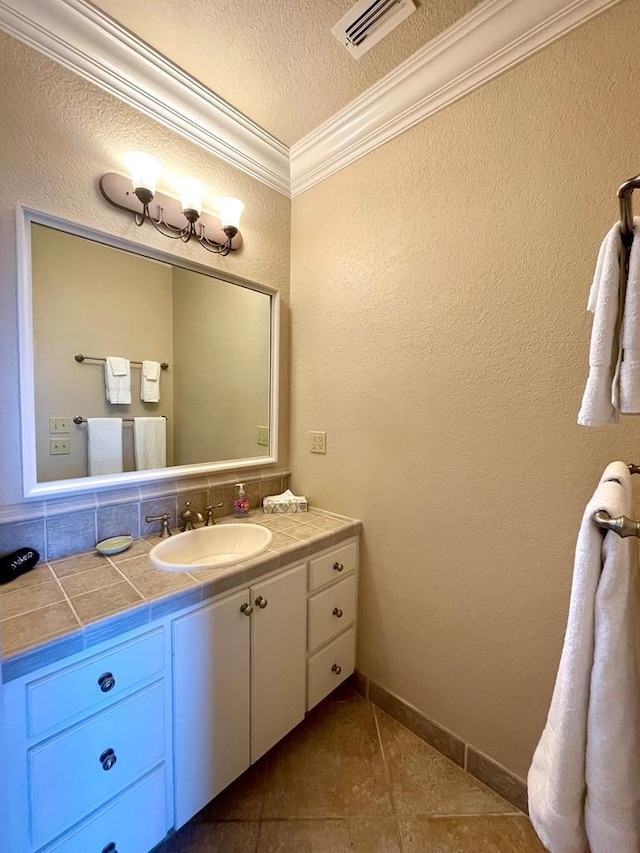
(85, 295)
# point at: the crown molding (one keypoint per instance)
(492, 38)
(88, 42)
(486, 42)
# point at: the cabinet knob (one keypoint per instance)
(262, 602)
(247, 609)
(337, 612)
(108, 759)
(338, 567)
(336, 668)
(106, 682)
(110, 848)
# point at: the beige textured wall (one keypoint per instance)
(96, 300)
(58, 134)
(440, 337)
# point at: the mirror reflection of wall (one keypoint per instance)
(97, 300)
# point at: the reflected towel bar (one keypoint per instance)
(622, 525)
(80, 358)
(80, 420)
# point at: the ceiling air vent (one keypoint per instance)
(369, 21)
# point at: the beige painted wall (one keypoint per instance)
(221, 347)
(442, 343)
(58, 134)
(95, 300)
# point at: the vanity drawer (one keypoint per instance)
(330, 666)
(134, 822)
(333, 565)
(73, 773)
(93, 684)
(331, 611)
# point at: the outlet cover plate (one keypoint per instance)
(318, 442)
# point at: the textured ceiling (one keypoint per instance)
(277, 61)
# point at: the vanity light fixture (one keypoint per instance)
(177, 219)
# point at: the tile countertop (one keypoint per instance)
(64, 606)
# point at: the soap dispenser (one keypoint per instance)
(241, 503)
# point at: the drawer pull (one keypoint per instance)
(110, 848)
(247, 609)
(262, 602)
(337, 612)
(108, 759)
(336, 668)
(106, 682)
(338, 566)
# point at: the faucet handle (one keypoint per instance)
(164, 524)
(209, 511)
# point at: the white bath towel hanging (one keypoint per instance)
(117, 379)
(598, 407)
(104, 436)
(628, 376)
(584, 780)
(150, 382)
(150, 443)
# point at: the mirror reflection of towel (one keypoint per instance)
(150, 382)
(150, 443)
(104, 446)
(117, 379)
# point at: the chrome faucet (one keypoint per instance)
(164, 524)
(189, 517)
(209, 511)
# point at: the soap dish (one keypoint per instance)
(114, 545)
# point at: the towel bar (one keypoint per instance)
(80, 358)
(622, 525)
(80, 420)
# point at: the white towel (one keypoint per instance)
(597, 407)
(584, 780)
(104, 445)
(117, 379)
(629, 368)
(150, 443)
(150, 382)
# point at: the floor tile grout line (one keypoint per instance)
(262, 804)
(387, 773)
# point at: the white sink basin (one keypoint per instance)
(210, 547)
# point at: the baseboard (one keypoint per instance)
(483, 768)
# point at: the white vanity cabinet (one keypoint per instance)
(88, 751)
(238, 683)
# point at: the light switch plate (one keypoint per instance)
(58, 425)
(59, 446)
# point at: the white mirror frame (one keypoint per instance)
(31, 487)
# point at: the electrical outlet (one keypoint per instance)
(263, 436)
(57, 425)
(318, 442)
(59, 446)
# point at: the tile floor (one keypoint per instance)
(350, 778)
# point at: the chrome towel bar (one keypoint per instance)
(80, 420)
(80, 358)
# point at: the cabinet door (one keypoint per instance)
(211, 701)
(278, 647)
